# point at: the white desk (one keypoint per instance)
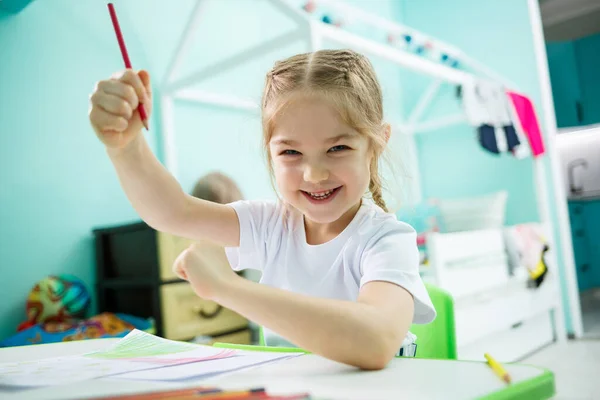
(404, 378)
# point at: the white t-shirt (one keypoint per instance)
(375, 246)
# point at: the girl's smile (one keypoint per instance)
(323, 196)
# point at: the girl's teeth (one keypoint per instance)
(322, 195)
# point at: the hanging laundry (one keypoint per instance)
(488, 109)
(526, 121)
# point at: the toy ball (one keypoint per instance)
(326, 19)
(56, 299)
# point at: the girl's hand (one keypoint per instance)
(208, 278)
(113, 111)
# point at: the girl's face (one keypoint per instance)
(321, 165)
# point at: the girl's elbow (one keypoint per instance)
(376, 357)
(375, 362)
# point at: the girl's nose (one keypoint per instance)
(315, 173)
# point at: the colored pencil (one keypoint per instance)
(497, 368)
(115, 22)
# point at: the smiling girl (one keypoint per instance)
(340, 274)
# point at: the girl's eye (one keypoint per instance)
(338, 148)
(290, 153)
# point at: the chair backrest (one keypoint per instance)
(438, 338)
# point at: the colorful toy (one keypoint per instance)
(105, 325)
(56, 299)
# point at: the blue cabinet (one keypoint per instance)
(564, 76)
(585, 232)
(587, 53)
(575, 80)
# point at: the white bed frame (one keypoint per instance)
(499, 314)
(509, 303)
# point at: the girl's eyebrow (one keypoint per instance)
(287, 142)
(334, 139)
(343, 136)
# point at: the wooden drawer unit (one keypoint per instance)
(134, 276)
(169, 248)
(186, 315)
(241, 337)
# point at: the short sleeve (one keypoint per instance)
(393, 257)
(257, 220)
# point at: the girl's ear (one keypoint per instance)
(387, 132)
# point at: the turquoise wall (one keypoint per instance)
(57, 183)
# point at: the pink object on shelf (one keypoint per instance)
(528, 121)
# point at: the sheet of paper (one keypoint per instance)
(141, 344)
(243, 359)
(141, 347)
(135, 352)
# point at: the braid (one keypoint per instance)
(375, 186)
(375, 189)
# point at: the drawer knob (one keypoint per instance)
(207, 315)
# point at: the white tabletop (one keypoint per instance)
(405, 378)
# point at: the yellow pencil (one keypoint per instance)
(497, 368)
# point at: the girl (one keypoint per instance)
(339, 274)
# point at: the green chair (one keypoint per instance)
(434, 340)
(438, 338)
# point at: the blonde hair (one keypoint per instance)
(347, 79)
(217, 188)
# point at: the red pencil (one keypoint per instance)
(115, 22)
